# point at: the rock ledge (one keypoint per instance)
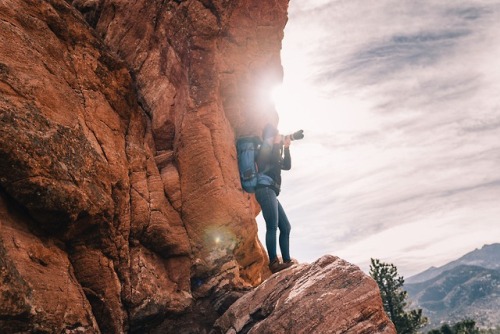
(327, 296)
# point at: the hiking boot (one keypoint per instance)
(275, 265)
(286, 264)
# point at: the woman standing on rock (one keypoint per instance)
(274, 156)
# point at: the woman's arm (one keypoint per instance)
(287, 159)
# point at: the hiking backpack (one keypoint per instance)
(247, 149)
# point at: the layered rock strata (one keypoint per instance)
(327, 296)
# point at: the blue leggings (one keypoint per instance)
(275, 218)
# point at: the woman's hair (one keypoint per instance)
(269, 131)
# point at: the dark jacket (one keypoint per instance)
(271, 160)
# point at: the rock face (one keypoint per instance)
(328, 296)
(120, 202)
(38, 288)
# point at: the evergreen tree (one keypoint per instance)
(466, 327)
(463, 327)
(394, 298)
(495, 330)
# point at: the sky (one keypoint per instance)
(399, 101)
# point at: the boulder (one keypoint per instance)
(327, 296)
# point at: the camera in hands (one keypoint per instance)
(295, 136)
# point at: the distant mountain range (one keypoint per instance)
(467, 288)
(486, 257)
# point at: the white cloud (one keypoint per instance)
(399, 103)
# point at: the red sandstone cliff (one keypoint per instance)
(120, 203)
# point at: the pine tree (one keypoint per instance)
(394, 298)
(467, 326)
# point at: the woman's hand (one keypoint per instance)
(287, 141)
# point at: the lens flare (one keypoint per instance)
(219, 237)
